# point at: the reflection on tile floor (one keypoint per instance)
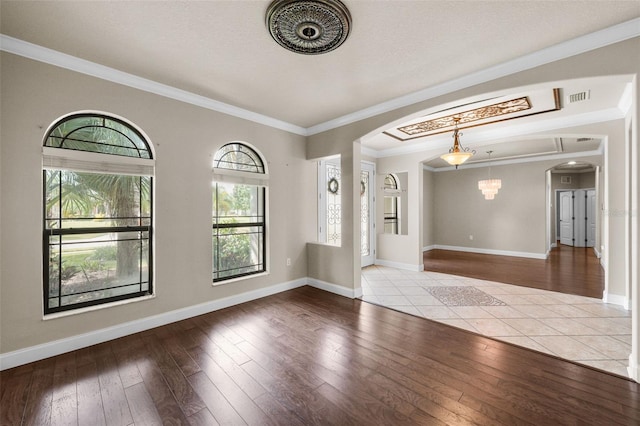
(577, 328)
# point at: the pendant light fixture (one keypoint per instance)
(457, 154)
(489, 187)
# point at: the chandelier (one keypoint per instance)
(457, 154)
(489, 187)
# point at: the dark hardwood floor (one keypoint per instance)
(572, 270)
(306, 357)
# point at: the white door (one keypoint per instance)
(367, 214)
(591, 218)
(580, 215)
(566, 217)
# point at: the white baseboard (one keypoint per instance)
(57, 347)
(491, 251)
(428, 248)
(399, 265)
(597, 253)
(334, 288)
(616, 299)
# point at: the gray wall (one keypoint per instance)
(331, 264)
(514, 221)
(428, 209)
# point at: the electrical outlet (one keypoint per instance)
(288, 261)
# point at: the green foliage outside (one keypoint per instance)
(100, 202)
(233, 251)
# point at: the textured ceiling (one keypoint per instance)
(222, 50)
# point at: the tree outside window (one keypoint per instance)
(238, 216)
(97, 225)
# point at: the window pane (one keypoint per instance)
(131, 136)
(236, 156)
(88, 200)
(334, 204)
(364, 213)
(237, 251)
(236, 203)
(94, 266)
(97, 133)
(390, 214)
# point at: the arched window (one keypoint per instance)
(97, 212)
(236, 156)
(390, 182)
(391, 193)
(238, 212)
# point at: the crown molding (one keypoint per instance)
(596, 40)
(62, 60)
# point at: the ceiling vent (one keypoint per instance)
(584, 139)
(580, 96)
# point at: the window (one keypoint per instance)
(238, 212)
(329, 202)
(97, 213)
(391, 192)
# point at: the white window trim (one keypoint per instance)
(83, 161)
(246, 178)
(238, 176)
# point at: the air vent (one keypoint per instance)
(580, 96)
(565, 179)
(584, 139)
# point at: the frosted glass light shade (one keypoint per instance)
(456, 158)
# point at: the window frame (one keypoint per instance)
(62, 159)
(230, 175)
(392, 218)
(330, 201)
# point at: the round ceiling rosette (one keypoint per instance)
(309, 27)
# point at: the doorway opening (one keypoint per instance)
(573, 214)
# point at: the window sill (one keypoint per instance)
(96, 307)
(245, 277)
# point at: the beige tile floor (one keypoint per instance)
(581, 329)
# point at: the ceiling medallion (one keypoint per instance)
(310, 27)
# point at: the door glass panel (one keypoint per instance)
(365, 236)
(334, 214)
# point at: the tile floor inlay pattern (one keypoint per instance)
(463, 296)
(577, 328)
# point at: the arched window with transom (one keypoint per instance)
(97, 212)
(238, 212)
(391, 195)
